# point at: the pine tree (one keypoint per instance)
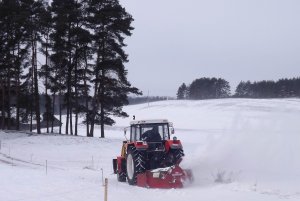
(2, 65)
(71, 35)
(9, 10)
(13, 56)
(46, 27)
(222, 88)
(82, 70)
(110, 24)
(244, 90)
(205, 88)
(182, 92)
(36, 10)
(60, 56)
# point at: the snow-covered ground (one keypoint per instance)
(238, 149)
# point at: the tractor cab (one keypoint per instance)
(150, 130)
(153, 133)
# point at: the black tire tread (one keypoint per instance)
(178, 154)
(139, 163)
(121, 177)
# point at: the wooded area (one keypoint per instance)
(283, 88)
(204, 88)
(209, 88)
(81, 43)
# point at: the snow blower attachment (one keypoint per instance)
(150, 158)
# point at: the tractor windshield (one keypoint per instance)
(154, 132)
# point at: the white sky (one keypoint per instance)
(178, 41)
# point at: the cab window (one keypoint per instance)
(132, 133)
(135, 133)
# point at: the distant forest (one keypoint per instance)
(147, 99)
(208, 88)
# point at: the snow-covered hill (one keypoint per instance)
(238, 149)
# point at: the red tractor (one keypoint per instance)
(150, 158)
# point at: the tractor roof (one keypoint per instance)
(149, 121)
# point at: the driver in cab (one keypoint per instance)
(152, 135)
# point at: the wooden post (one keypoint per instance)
(105, 189)
(102, 177)
(92, 162)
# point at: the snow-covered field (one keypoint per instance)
(238, 149)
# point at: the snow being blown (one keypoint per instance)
(238, 149)
(236, 140)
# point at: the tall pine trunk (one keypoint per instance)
(8, 99)
(67, 118)
(95, 100)
(35, 83)
(36, 92)
(102, 121)
(31, 98)
(76, 123)
(69, 80)
(91, 134)
(3, 103)
(53, 111)
(71, 120)
(86, 95)
(8, 78)
(18, 90)
(102, 106)
(76, 93)
(95, 106)
(60, 108)
(101, 92)
(46, 88)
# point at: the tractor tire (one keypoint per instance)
(121, 177)
(177, 155)
(135, 164)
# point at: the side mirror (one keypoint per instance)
(172, 131)
(125, 130)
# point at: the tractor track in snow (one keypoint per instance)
(6, 162)
(12, 161)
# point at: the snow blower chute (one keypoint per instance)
(150, 158)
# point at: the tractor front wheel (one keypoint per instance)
(175, 156)
(121, 177)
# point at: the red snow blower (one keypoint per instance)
(150, 158)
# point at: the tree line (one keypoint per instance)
(283, 88)
(209, 88)
(82, 70)
(147, 99)
(204, 88)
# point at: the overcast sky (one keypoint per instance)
(177, 41)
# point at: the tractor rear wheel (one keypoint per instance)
(135, 164)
